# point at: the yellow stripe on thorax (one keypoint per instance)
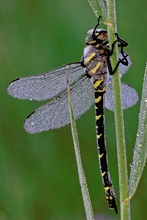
(90, 57)
(93, 71)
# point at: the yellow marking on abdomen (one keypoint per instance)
(101, 90)
(103, 173)
(99, 135)
(98, 99)
(98, 117)
(97, 83)
(93, 71)
(107, 188)
(89, 58)
(100, 155)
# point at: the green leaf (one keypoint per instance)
(140, 151)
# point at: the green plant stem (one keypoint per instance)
(98, 7)
(119, 122)
(82, 178)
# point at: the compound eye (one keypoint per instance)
(102, 35)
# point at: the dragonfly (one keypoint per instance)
(90, 82)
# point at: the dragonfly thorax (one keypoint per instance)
(95, 62)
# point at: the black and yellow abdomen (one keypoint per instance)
(101, 144)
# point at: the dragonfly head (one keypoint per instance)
(96, 36)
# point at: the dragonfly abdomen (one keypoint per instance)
(99, 91)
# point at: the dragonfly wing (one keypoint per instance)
(129, 96)
(47, 85)
(55, 114)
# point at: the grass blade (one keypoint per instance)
(140, 151)
(82, 178)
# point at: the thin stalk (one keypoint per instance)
(119, 122)
(98, 7)
(81, 174)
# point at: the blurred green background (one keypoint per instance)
(38, 173)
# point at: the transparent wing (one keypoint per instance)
(55, 114)
(47, 85)
(129, 96)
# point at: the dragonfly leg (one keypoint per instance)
(121, 43)
(124, 61)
